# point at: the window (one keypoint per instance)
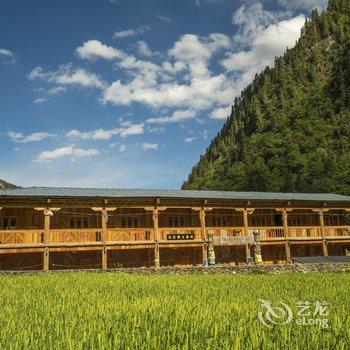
(176, 221)
(34, 221)
(294, 221)
(130, 222)
(259, 221)
(79, 222)
(278, 220)
(219, 221)
(8, 223)
(98, 236)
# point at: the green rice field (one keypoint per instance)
(122, 311)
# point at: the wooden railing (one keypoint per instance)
(92, 235)
(268, 232)
(304, 232)
(129, 234)
(21, 236)
(226, 231)
(179, 233)
(83, 235)
(337, 231)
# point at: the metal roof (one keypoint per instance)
(339, 259)
(49, 192)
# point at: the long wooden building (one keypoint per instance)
(67, 228)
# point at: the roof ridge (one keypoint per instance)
(170, 190)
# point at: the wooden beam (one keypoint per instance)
(155, 218)
(46, 258)
(324, 242)
(285, 222)
(104, 232)
(287, 247)
(104, 208)
(104, 219)
(48, 212)
(286, 232)
(246, 212)
(204, 237)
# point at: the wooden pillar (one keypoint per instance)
(46, 239)
(104, 233)
(155, 217)
(104, 220)
(204, 237)
(48, 212)
(246, 232)
(324, 241)
(286, 233)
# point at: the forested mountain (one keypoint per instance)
(290, 129)
(5, 185)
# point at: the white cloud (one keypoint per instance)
(304, 4)
(126, 129)
(7, 56)
(173, 68)
(191, 53)
(195, 52)
(220, 113)
(53, 91)
(165, 19)
(69, 151)
(144, 49)
(37, 73)
(189, 139)
(5, 52)
(199, 94)
(131, 129)
(183, 82)
(80, 77)
(177, 116)
(251, 19)
(94, 49)
(131, 32)
(39, 100)
(149, 146)
(48, 93)
(67, 75)
(267, 44)
(21, 138)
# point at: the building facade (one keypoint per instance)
(68, 228)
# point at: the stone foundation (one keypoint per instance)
(222, 269)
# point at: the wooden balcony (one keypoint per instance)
(226, 231)
(17, 237)
(130, 234)
(75, 235)
(269, 233)
(304, 232)
(167, 235)
(337, 231)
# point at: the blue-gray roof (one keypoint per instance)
(51, 192)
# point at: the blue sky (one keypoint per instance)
(125, 93)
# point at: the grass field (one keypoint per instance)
(120, 311)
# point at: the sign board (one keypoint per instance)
(179, 236)
(234, 240)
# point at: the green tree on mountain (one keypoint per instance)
(290, 129)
